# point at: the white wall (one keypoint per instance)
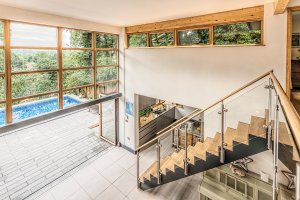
(198, 77)
(17, 14)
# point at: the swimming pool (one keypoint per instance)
(36, 108)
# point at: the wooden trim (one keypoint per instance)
(103, 66)
(76, 49)
(33, 72)
(95, 64)
(77, 68)
(35, 95)
(7, 65)
(77, 87)
(296, 8)
(106, 49)
(2, 74)
(148, 40)
(60, 70)
(176, 39)
(246, 14)
(288, 80)
(2, 101)
(106, 82)
(291, 114)
(280, 6)
(211, 35)
(33, 48)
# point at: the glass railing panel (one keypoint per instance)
(287, 157)
(246, 114)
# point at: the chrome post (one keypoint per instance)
(138, 169)
(221, 147)
(275, 149)
(185, 151)
(269, 121)
(177, 139)
(158, 161)
(297, 181)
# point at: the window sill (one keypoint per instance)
(199, 46)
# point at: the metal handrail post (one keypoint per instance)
(158, 161)
(275, 150)
(185, 151)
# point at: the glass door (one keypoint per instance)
(108, 128)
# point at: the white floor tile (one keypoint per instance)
(79, 195)
(87, 175)
(111, 193)
(126, 183)
(113, 172)
(65, 189)
(102, 163)
(116, 153)
(94, 188)
(46, 196)
(127, 160)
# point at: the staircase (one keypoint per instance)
(245, 140)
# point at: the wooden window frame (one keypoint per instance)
(191, 29)
(210, 20)
(8, 73)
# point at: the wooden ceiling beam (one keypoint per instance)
(280, 6)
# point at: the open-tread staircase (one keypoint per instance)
(245, 140)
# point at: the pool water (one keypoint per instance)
(32, 109)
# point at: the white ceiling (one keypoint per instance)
(130, 12)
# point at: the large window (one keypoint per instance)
(51, 68)
(77, 63)
(34, 68)
(107, 63)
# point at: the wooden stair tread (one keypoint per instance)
(168, 164)
(229, 136)
(146, 174)
(178, 158)
(257, 126)
(214, 145)
(242, 133)
(284, 136)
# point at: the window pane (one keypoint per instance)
(33, 35)
(77, 58)
(33, 107)
(107, 58)
(1, 33)
(162, 39)
(106, 41)
(77, 78)
(30, 84)
(2, 88)
(242, 33)
(77, 96)
(76, 39)
(33, 60)
(1, 60)
(2, 114)
(107, 74)
(108, 120)
(137, 40)
(107, 88)
(193, 37)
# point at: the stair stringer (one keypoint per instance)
(239, 151)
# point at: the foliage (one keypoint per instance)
(242, 33)
(137, 40)
(162, 39)
(194, 37)
(106, 41)
(106, 74)
(75, 78)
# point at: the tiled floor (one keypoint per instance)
(32, 158)
(112, 177)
